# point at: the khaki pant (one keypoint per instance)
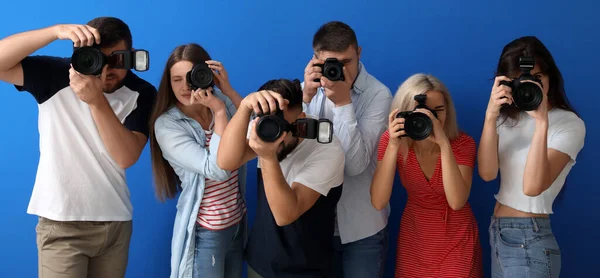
(82, 248)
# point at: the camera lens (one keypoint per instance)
(528, 96)
(268, 129)
(418, 126)
(333, 72)
(201, 76)
(88, 61)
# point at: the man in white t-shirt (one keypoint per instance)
(299, 185)
(92, 127)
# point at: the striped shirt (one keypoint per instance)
(222, 205)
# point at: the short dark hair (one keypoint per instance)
(289, 89)
(112, 30)
(334, 36)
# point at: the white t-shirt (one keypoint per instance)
(317, 166)
(77, 178)
(566, 133)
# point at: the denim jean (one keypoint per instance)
(523, 247)
(362, 258)
(220, 253)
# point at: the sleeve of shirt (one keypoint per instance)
(383, 143)
(44, 76)
(324, 169)
(568, 137)
(465, 151)
(139, 118)
(180, 147)
(359, 137)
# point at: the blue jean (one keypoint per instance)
(362, 258)
(219, 254)
(524, 247)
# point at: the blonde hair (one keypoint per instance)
(404, 100)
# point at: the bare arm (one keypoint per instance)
(287, 202)
(16, 47)
(123, 145)
(457, 179)
(487, 154)
(543, 165)
(383, 179)
(234, 150)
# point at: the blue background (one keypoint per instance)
(457, 41)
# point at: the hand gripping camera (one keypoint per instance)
(332, 69)
(270, 127)
(527, 96)
(418, 126)
(200, 77)
(89, 60)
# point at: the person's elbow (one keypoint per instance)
(531, 190)
(377, 203)
(456, 204)
(284, 220)
(487, 175)
(217, 173)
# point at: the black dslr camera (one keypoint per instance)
(418, 126)
(89, 60)
(332, 69)
(270, 127)
(526, 95)
(200, 77)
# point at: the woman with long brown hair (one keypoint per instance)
(532, 136)
(186, 125)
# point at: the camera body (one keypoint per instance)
(200, 77)
(89, 60)
(270, 127)
(526, 95)
(418, 126)
(332, 69)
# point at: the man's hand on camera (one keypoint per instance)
(338, 91)
(81, 35)
(87, 87)
(264, 150)
(264, 102)
(311, 73)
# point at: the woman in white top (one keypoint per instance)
(534, 147)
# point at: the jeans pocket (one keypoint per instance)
(512, 237)
(554, 262)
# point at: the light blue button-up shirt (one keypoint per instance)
(359, 126)
(182, 142)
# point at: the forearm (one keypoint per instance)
(383, 179)
(220, 121)
(537, 167)
(123, 145)
(16, 47)
(456, 188)
(280, 196)
(233, 141)
(233, 95)
(487, 153)
(357, 147)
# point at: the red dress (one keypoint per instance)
(435, 240)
